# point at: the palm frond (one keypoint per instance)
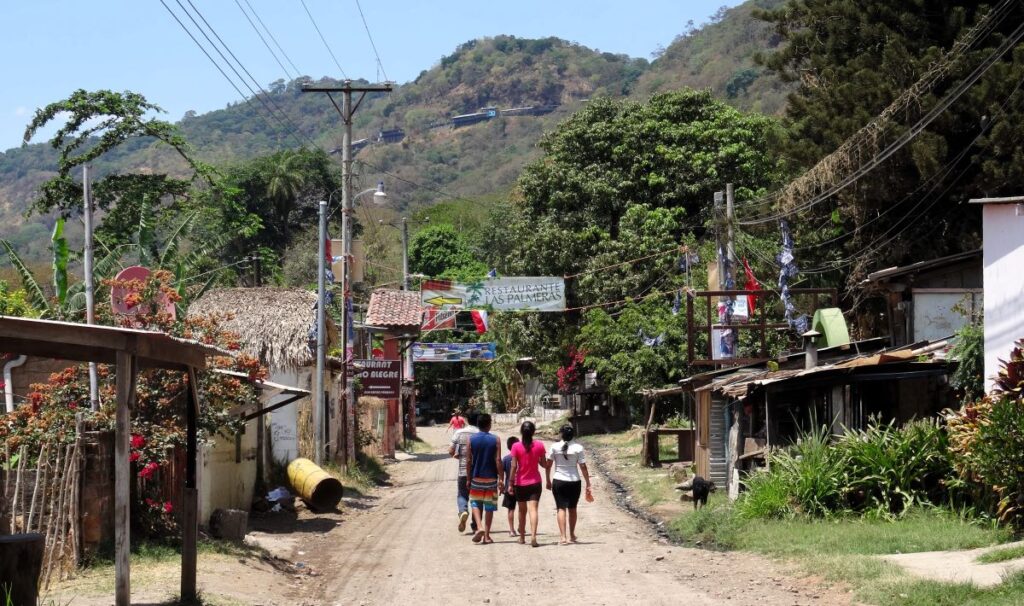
(36, 296)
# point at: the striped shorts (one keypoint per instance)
(483, 494)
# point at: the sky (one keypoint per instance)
(57, 46)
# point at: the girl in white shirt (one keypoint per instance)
(568, 462)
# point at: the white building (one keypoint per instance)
(1003, 231)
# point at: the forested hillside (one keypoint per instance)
(434, 161)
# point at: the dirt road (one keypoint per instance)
(405, 549)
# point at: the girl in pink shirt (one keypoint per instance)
(527, 457)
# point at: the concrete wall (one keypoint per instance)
(225, 482)
(1003, 226)
(284, 434)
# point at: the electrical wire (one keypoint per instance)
(298, 72)
(380, 65)
(914, 131)
(270, 126)
(322, 39)
(266, 99)
(262, 39)
(621, 263)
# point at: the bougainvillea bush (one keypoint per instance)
(158, 422)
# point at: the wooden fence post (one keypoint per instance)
(127, 374)
(189, 521)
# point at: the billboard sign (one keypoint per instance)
(379, 378)
(499, 294)
(453, 352)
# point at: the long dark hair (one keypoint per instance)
(526, 430)
(568, 433)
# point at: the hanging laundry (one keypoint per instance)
(677, 302)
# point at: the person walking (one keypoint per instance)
(458, 449)
(508, 501)
(485, 479)
(569, 463)
(457, 421)
(527, 457)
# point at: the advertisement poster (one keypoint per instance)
(453, 352)
(379, 378)
(499, 294)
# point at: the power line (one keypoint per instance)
(267, 100)
(298, 72)
(380, 65)
(629, 262)
(322, 39)
(270, 126)
(877, 127)
(262, 39)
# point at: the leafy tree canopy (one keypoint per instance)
(440, 251)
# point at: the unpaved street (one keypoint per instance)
(405, 549)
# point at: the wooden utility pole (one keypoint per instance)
(347, 110)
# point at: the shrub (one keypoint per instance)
(890, 469)
(969, 352)
(883, 469)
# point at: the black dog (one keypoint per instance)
(701, 488)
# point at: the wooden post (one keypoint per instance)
(189, 521)
(127, 371)
(731, 477)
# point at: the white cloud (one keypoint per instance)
(21, 110)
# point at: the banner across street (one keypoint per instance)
(499, 294)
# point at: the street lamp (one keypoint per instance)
(379, 197)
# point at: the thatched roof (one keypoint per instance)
(272, 323)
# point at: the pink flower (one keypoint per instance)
(133, 457)
(147, 472)
(167, 507)
(138, 441)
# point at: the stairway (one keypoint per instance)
(717, 438)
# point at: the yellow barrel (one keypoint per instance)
(318, 488)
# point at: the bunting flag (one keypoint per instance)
(677, 303)
(751, 284)
(493, 273)
(480, 320)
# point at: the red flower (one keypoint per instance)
(147, 472)
(133, 457)
(167, 507)
(137, 441)
(73, 404)
(150, 502)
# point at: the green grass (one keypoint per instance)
(843, 550)
(650, 486)
(367, 473)
(1001, 555)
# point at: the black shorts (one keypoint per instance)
(567, 494)
(508, 501)
(529, 492)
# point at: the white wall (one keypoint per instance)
(223, 482)
(284, 435)
(1003, 228)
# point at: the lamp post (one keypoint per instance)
(320, 409)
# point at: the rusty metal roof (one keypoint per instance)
(395, 308)
(744, 381)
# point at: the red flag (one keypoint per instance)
(751, 284)
(480, 320)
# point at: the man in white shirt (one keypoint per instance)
(457, 449)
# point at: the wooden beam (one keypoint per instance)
(127, 373)
(189, 521)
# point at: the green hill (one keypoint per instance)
(433, 161)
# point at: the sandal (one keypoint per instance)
(478, 536)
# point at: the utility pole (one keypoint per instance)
(90, 294)
(347, 110)
(405, 254)
(321, 339)
(730, 266)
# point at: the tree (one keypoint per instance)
(852, 59)
(439, 251)
(96, 123)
